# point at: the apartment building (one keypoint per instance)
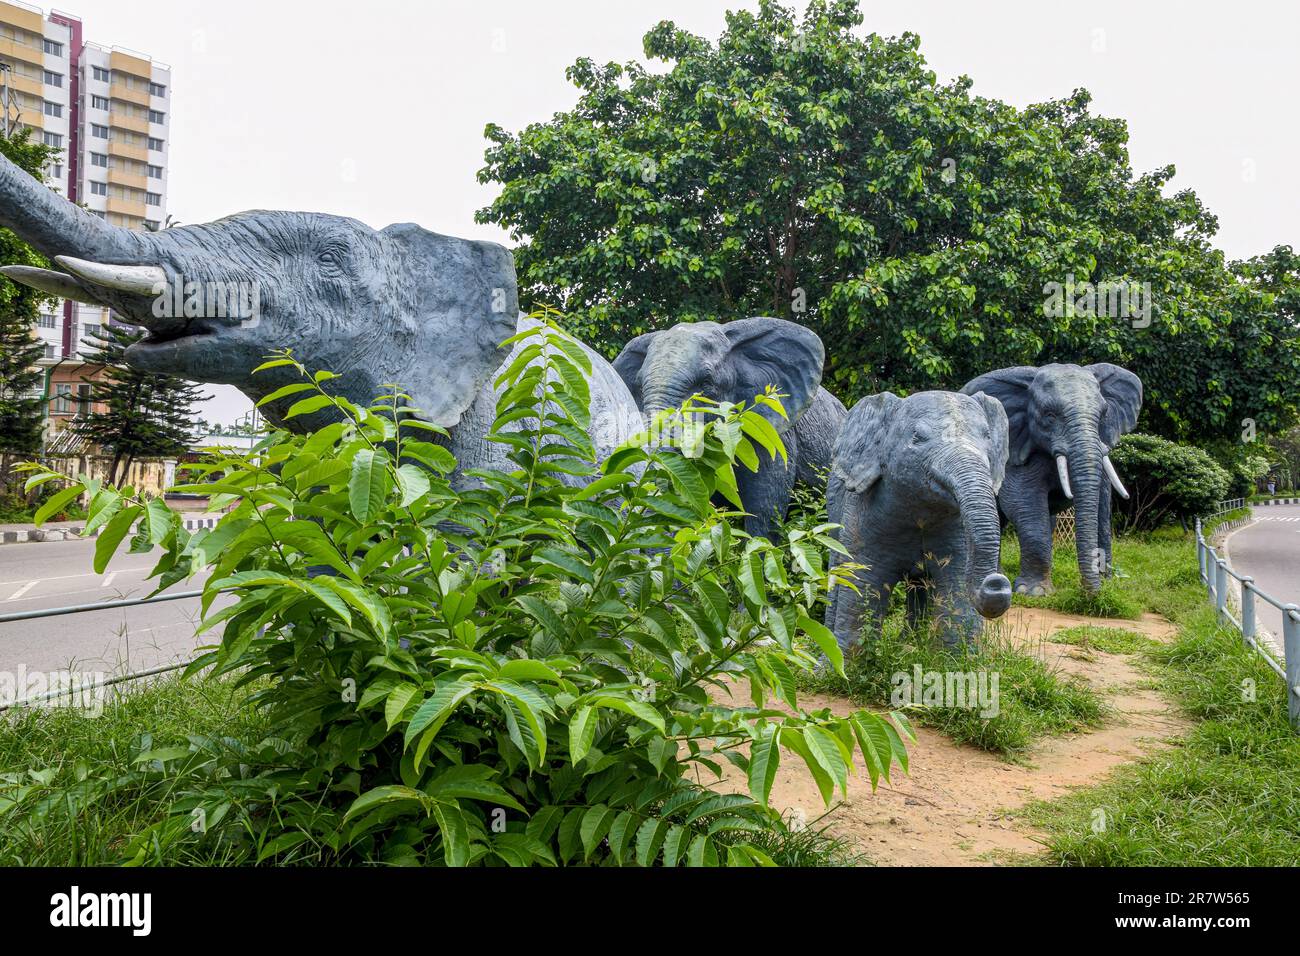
(107, 109)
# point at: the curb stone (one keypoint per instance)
(74, 532)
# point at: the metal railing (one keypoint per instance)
(1215, 575)
(81, 609)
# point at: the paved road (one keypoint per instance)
(1269, 551)
(56, 574)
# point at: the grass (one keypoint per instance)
(1228, 793)
(1033, 699)
(56, 811)
(1109, 640)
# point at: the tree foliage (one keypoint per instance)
(802, 170)
(21, 414)
(1166, 481)
(525, 672)
(145, 414)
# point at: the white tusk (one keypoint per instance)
(1063, 470)
(1113, 476)
(58, 284)
(140, 280)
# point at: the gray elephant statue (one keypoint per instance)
(1064, 421)
(398, 305)
(914, 488)
(733, 362)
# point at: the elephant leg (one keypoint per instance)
(851, 611)
(1104, 532)
(1024, 501)
(766, 492)
(955, 618)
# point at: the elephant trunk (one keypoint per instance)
(971, 485)
(1083, 457)
(55, 227)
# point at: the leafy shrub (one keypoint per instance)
(1166, 482)
(516, 673)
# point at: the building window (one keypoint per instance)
(155, 172)
(156, 116)
(49, 351)
(53, 109)
(152, 199)
(152, 225)
(54, 139)
(155, 144)
(100, 73)
(99, 132)
(56, 171)
(53, 79)
(99, 102)
(47, 321)
(91, 331)
(98, 212)
(62, 392)
(98, 189)
(99, 159)
(53, 48)
(157, 89)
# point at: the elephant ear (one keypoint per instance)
(629, 362)
(859, 451)
(1010, 386)
(999, 430)
(1122, 391)
(463, 301)
(775, 352)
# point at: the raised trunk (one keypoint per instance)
(57, 227)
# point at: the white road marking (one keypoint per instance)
(23, 590)
(67, 577)
(108, 579)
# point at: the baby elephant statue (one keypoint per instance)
(733, 362)
(914, 485)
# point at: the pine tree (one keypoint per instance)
(21, 411)
(145, 415)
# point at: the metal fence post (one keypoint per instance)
(1221, 587)
(1291, 647)
(1247, 609)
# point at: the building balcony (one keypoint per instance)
(120, 91)
(120, 177)
(123, 120)
(14, 50)
(126, 207)
(121, 150)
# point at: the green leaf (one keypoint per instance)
(308, 405)
(582, 732)
(369, 484)
(56, 503)
(434, 711)
(107, 543)
(765, 757)
(825, 640)
(413, 483)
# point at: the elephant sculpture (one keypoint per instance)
(1064, 420)
(733, 362)
(914, 489)
(397, 305)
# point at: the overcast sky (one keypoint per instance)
(376, 109)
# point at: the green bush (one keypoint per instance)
(517, 673)
(1166, 482)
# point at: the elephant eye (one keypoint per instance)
(920, 435)
(331, 258)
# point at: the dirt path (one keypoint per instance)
(952, 809)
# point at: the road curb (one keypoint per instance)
(74, 532)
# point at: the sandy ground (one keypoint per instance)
(953, 808)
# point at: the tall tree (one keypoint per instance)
(145, 415)
(21, 413)
(799, 169)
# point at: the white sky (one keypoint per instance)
(376, 109)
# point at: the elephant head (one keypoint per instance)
(1070, 417)
(936, 454)
(728, 362)
(397, 305)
